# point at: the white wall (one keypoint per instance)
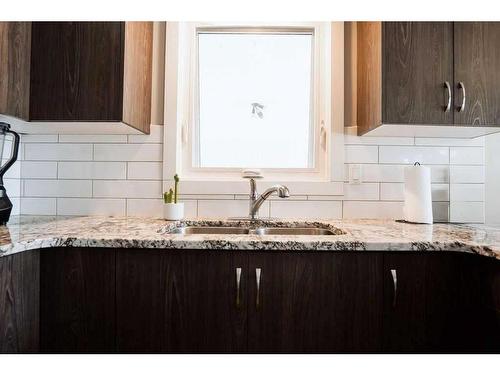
(492, 186)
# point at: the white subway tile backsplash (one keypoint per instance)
(14, 171)
(440, 212)
(13, 186)
(127, 189)
(366, 191)
(58, 188)
(466, 212)
(90, 138)
(39, 138)
(38, 169)
(145, 207)
(440, 192)
(412, 154)
(307, 209)
(16, 206)
(361, 154)
(228, 208)
(380, 173)
(155, 136)
(466, 174)
(191, 197)
(154, 208)
(89, 206)
(392, 191)
(479, 141)
(38, 206)
(467, 192)
(372, 210)
(57, 151)
(467, 155)
(355, 140)
(128, 152)
(440, 173)
(395, 192)
(92, 170)
(111, 174)
(144, 170)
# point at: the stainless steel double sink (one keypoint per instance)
(263, 231)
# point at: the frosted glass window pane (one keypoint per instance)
(255, 100)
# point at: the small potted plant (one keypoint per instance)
(172, 210)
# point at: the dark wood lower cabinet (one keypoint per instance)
(19, 303)
(84, 300)
(313, 302)
(427, 298)
(181, 301)
(77, 293)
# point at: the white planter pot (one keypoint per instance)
(173, 211)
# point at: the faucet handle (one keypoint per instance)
(251, 173)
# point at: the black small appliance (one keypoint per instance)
(5, 203)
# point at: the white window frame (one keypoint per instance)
(328, 97)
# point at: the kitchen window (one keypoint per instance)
(254, 99)
(249, 97)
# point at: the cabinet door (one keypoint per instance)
(77, 300)
(477, 62)
(181, 301)
(489, 338)
(404, 308)
(77, 71)
(19, 302)
(314, 302)
(15, 47)
(424, 309)
(417, 61)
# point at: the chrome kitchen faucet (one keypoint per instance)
(256, 200)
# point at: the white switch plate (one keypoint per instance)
(355, 174)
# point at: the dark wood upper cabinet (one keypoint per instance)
(77, 71)
(416, 65)
(477, 73)
(20, 302)
(416, 73)
(77, 300)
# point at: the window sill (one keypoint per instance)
(220, 187)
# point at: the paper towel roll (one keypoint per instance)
(418, 199)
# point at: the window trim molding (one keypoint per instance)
(175, 117)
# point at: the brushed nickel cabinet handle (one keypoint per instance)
(395, 286)
(461, 86)
(258, 272)
(238, 280)
(447, 107)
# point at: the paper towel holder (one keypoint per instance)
(420, 202)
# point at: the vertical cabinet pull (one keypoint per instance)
(258, 271)
(238, 281)
(447, 86)
(461, 86)
(395, 287)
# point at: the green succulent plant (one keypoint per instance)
(172, 194)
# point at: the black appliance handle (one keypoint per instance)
(13, 156)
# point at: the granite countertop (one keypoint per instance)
(27, 233)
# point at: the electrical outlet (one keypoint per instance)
(355, 174)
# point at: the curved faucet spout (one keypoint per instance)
(257, 201)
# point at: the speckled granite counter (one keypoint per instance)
(27, 233)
